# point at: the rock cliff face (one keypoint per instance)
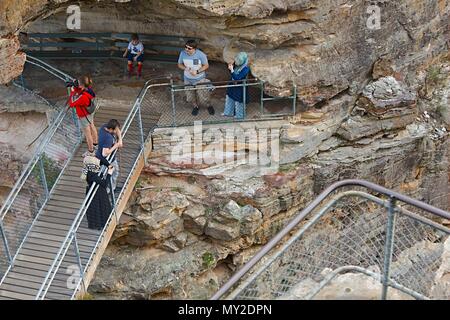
(23, 119)
(217, 216)
(324, 47)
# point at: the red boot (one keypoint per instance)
(130, 69)
(140, 70)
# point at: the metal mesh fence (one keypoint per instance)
(48, 166)
(77, 252)
(324, 260)
(44, 86)
(56, 145)
(211, 100)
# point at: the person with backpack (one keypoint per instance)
(82, 101)
(87, 82)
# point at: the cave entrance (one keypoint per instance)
(97, 50)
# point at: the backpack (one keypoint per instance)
(92, 103)
(92, 106)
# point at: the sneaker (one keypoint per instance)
(195, 111)
(211, 110)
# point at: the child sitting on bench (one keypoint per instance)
(134, 52)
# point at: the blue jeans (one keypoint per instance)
(131, 56)
(234, 108)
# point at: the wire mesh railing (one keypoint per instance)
(80, 245)
(38, 178)
(177, 101)
(350, 235)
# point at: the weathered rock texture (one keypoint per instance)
(381, 113)
(324, 47)
(388, 134)
(23, 120)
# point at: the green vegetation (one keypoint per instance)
(209, 211)
(208, 260)
(138, 183)
(87, 296)
(433, 74)
(176, 189)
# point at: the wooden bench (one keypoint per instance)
(162, 48)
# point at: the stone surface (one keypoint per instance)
(225, 224)
(15, 99)
(321, 61)
(441, 287)
(195, 219)
(350, 286)
(369, 88)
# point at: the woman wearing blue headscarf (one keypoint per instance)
(234, 102)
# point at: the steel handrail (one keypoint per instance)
(49, 67)
(313, 205)
(88, 198)
(51, 130)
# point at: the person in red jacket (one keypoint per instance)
(80, 99)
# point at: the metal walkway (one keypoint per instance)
(46, 249)
(54, 255)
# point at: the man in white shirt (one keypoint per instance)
(134, 53)
(194, 63)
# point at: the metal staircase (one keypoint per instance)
(46, 249)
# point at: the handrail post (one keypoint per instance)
(244, 98)
(390, 229)
(141, 130)
(77, 254)
(174, 122)
(262, 98)
(294, 101)
(22, 80)
(5, 243)
(43, 178)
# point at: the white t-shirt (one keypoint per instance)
(135, 49)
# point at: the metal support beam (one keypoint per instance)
(5, 244)
(141, 130)
(174, 122)
(390, 230)
(43, 177)
(261, 103)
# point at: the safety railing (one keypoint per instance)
(151, 105)
(354, 231)
(35, 184)
(134, 133)
(256, 105)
